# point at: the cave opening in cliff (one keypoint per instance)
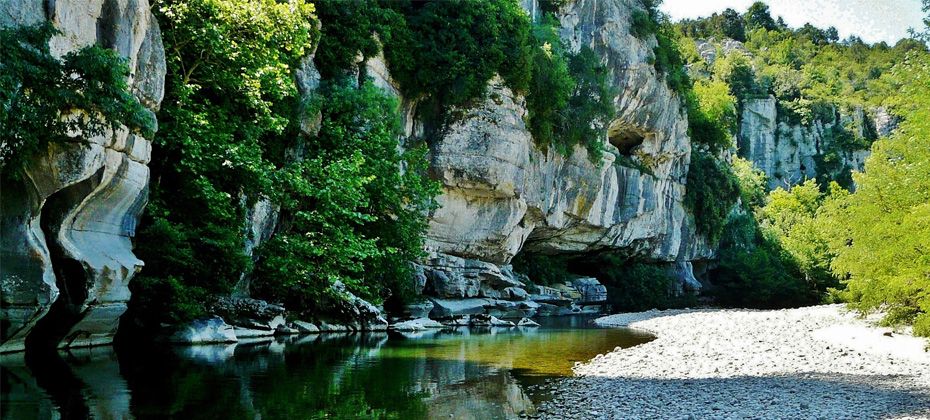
(632, 281)
(70, 276)
(625, 138)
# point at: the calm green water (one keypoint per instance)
(481, 374)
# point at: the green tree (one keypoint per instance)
(712, 191)
(758, 16)
(712, 114)
(736, 71)
(454, 47)
(789, 218)
(230, 97)
(355, 212)
(730, 25)
(880, 233)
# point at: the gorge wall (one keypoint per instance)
(788, 153)
(67, 222)
(503, 194)
(67, 225)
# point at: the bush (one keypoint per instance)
(642, 24)
(550, 87)
(570, 100)
(37, 90)
(789, 219)
(711, 193)
(711, 115)
(759, 278)
(736, 71)
(752, 182)
(454, 47)
(347, 29)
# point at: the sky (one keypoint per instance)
(872, 20)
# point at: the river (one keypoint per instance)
(463, 373)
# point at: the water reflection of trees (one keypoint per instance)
(332, 375)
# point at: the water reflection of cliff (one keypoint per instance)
(465, 374)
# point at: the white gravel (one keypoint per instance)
(816, 362)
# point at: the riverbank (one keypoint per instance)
(816, 362)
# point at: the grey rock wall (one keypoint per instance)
(790, 153)
(503, 193)
(67, 222)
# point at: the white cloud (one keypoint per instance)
(872, 20)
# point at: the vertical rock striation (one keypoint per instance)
(67, 222)
(789, 153)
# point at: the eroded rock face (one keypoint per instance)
(68, 220)
(503, 194)
(791, 153)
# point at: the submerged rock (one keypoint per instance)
(243, 332)
(418, 310)
(327, 327)
(447, 308)
(285, 330)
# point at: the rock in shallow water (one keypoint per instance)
(419, 324)
(305, 327)
(526, 322)
(204, 331)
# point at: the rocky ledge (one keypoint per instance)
(816, 362)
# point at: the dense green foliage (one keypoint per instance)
(754, 272)
(45, 99)
(711, 193)
(880, 234)
(228, 90)
(797, 246)
(570, 100)
(442, 51)
(808, 70)
(544, 270)
(446, 55)
(790, 218)
(635, 286)
(352, 204)
(631, 285)
(667, 57)
(711, 115)
(352, 215)
(455, 47)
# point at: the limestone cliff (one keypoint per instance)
(789, 152)
(67, 225)
(502, 194)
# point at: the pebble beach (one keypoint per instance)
(815, 362)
